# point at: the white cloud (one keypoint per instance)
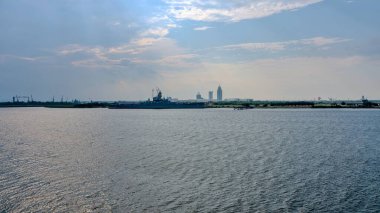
(202, 28)
(164, 24)
(145, 41)
(159, 52)
(71, 49)
(156, 19)
(125, 49)
(278, 46)
(322, 41)
(22, 58)
(234, 11)
(192, 2)
(172, 25)
(272, 46)
(231, 11)
(159, 31)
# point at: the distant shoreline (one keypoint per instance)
(364, 104)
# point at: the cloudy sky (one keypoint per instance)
(121, 49)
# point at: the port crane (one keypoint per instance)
(22, 98)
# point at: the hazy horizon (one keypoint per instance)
(120, 50)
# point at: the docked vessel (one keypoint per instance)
(158, 102)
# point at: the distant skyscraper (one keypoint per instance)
(210, 95)
(219, 95)
(199, 96)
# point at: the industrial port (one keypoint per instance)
(160, 102)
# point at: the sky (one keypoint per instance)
(121, 49)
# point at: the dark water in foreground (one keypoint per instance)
(98, 160)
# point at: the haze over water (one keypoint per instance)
(99, 160)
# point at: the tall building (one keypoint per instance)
(198, 96)
(219, 95)
(210, 95)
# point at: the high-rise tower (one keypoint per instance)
(210, 95)
(219, 95)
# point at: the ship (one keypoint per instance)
(157, 102)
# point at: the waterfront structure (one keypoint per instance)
(219, 94)
(159, 102)
(210, 95)
(239, 99)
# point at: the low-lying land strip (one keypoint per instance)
(222, 104)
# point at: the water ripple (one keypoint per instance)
(220, 160)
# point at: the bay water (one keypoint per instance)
(201, 160)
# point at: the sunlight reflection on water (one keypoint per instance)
(99, 160)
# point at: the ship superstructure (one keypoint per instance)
(158, 102)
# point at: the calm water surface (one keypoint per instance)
(99, 160)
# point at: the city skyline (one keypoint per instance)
(118, 50)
